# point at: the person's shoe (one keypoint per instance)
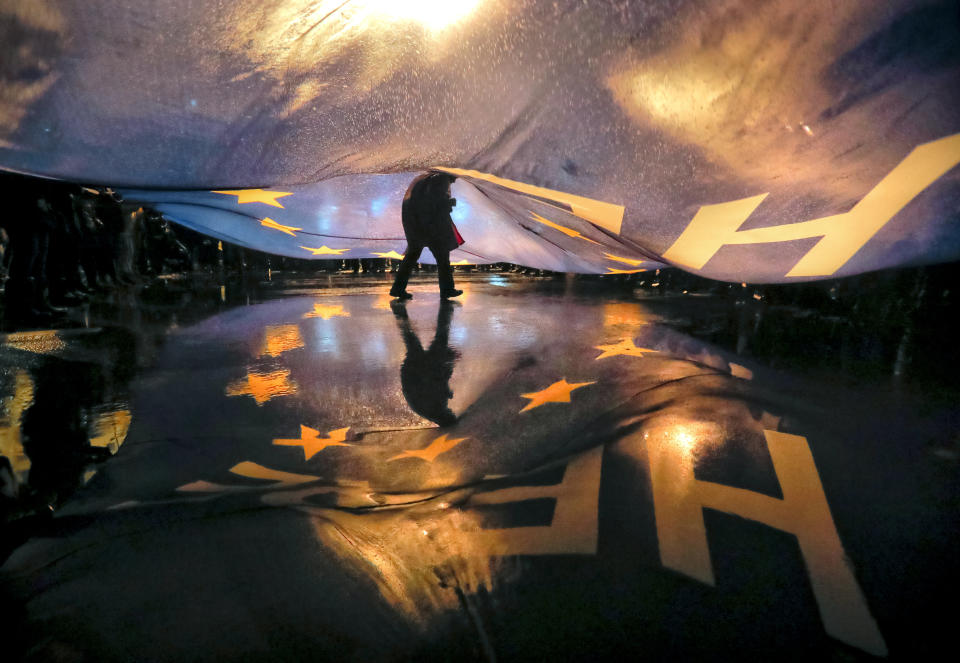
(446, 294)
(403, 294)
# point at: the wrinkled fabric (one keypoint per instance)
(601, 137)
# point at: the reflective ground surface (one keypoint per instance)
(546, 469)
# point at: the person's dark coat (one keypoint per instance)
(426, 214)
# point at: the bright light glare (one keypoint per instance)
(432, 14)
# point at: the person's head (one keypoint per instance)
(440, 182)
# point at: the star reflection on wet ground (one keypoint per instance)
(544, 470)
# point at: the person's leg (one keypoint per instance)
(445, 274)
(410, 259)
(42, 275)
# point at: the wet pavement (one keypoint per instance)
(545, 469)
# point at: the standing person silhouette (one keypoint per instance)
(427, 224)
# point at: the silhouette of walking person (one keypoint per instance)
(427, 224)
(425, 374)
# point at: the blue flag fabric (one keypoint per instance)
(783, 142)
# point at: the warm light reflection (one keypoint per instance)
(683, 441)
(110, 429)
(419, 563)
(434, 554)
(382, 302)
(41, 342)
(279, 339)
(327, 311)
(263, 386)
(467, 292)
(307, 41)
(432, 14)
(11, 415)
(688, 440)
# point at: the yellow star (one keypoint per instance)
(563, 229)
(256, 196)
(327, 311)
(611, 270)
(437, 447)
(278, 339)
(388, 254)
(628, 261)
(263, 386)
(624, 347)
(270, 223)
(558, 392)
(324, 250)
(313, 444)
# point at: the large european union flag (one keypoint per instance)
(782, 142)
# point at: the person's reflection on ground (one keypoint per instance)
(425, 374)
(55, 428)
